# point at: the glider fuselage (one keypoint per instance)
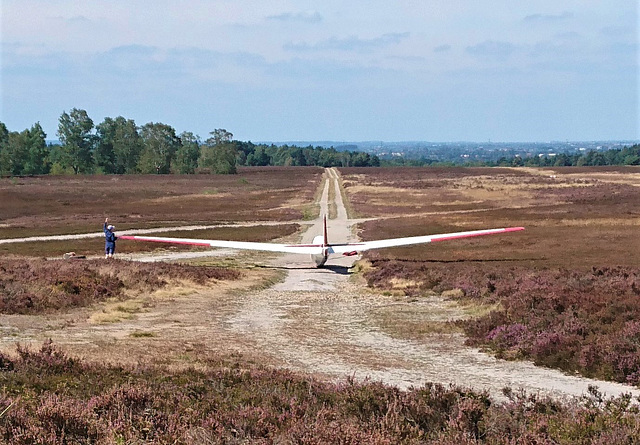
(320, 258)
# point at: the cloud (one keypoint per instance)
(305, 16)
(135, 61)
(20, 59)
(352, 43)
(442, 49)
(154, 64)
(492, 49)
(568, 36)
(617, 31)
(78, 19)
(142, 65)
(627, 50)
(548, 18)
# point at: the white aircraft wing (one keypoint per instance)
(323, 250)
(396, 242)
(311, 249)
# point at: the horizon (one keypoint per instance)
(323, 142)
(298, 71)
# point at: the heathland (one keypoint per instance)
(54, 205)
(567, 289)
(175, 353)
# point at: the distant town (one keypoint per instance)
(468, 152)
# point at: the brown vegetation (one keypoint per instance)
(36, 286)
(50, 205)
(49, 397)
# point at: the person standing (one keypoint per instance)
(109, 239)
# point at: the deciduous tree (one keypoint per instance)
(4, 147)
(23, 153)
(120, 145)
(219, 153)
(36, 162)
(160, 146)
(186, 160)
(74, 131)
(104, 156)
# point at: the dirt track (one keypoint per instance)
(321, 321)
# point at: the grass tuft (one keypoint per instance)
(142, 334)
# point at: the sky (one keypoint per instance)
(296, 70)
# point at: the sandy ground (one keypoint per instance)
(320, 321)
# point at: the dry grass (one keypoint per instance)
(177, 289)
(429, 313)
(140, 302)
(419, 318)
(117, 311)
(333, 207)
(410, 324)
(351, 213)
(402, 283)
(473, 309)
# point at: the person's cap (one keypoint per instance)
(110, 227)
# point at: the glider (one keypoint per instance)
(321, 248)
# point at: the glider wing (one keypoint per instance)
(316, 249)
(396, 242)
(311, 249)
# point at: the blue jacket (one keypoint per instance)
(109, 237)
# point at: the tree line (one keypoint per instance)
(615, 156)
(119, 146)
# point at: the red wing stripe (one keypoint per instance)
(513, 229)
(320, 245)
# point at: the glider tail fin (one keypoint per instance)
(325, 240)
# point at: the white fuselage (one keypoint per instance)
(320, 258)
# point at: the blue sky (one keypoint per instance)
(436, 70)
